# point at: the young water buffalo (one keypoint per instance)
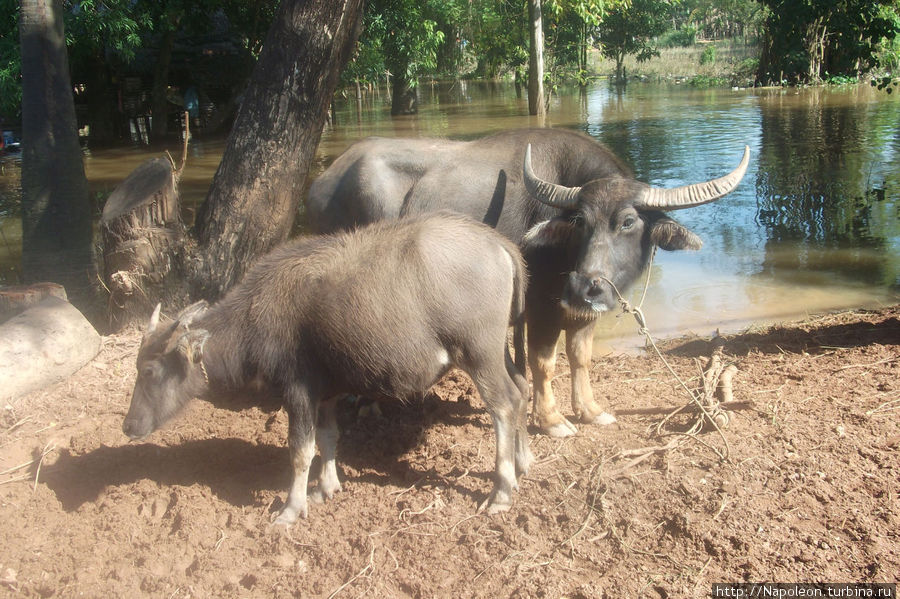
(387, 309)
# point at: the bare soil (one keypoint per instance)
(808, 492)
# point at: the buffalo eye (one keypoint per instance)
(628, 222)
(577, 219)
(147, 372)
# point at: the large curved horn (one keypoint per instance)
(558, 196)
(696, 194)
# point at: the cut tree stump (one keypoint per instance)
(143, 235)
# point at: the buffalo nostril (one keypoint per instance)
(594, 289)
(130, 428)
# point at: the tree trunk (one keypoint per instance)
(101, 106)
(160, 101)
(257, 189)
(256, 192)
(620, 68)
(56, 208)
(403, 97)
(536, 60)
(815, 47)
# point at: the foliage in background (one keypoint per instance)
(108, 39)
(804, 40)
(631, 29)
(679, 38)
(10, 61)
(807, 39)
(409, 34)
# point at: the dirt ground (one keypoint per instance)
(808, 492)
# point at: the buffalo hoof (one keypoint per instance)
(496, 503)
(524, 460)
(594, 414)
(604, 418)
(559, 430)
(288, 516)
(321, 494)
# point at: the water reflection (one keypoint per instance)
(813, 227)
(828, 182)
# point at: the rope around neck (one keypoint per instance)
(644, 330)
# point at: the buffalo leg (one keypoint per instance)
(524, 457)
(302, 447)
(542, 340)
(326, 440)
(502, 398)
(579, 348)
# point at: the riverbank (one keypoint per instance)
(725, 63)
(808, 492)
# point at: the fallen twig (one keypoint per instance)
(876, 363)
(641, 455)
(369, 566)
(18, 424)
(884, 407)
(15, 478)
(725, 405)
(14, 468)
(50, 446)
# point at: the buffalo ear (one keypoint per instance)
(191, 313)
(191, 343)
(555, 231)
(671, 235)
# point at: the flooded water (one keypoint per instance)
(814, 226)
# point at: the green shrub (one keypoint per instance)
(745, 72)
(709, 55)
(679, 38)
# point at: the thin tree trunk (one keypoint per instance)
(56, 208)
(101, 115)
(160, 101)
(536, 60)
(257, 189)
(403, 97)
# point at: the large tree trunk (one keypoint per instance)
(536, 59)
(257, 189)
(56, 208)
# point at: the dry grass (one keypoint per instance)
(676, 64)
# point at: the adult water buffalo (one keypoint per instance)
(387, 309)
(584, 224)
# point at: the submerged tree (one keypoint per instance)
(409, 38)
(630, 28)
(536, 102)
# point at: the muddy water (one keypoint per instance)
(814, 226)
